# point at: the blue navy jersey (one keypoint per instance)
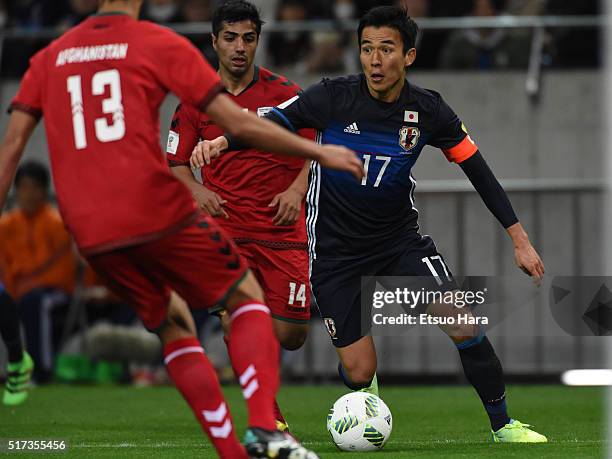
(349, 218)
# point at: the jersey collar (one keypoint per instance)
(109, 17)
(110, 13)
(406, 96)
(250, 85)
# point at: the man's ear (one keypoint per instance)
(410, 57)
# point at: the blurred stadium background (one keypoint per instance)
(525, 76)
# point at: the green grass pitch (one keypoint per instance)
(429, 422)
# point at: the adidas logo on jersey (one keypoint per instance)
(352, 129)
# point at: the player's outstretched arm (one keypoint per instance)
(496, 200)
(267, 136)
(18, 132)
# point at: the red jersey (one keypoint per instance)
(248, 179)
(99, 87)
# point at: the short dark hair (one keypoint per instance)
(35, 171)
(395, 17)
(235, 11)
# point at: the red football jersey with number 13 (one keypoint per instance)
(99, 88)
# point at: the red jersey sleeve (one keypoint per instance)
(183, 135)
(29, 96)
(185, 72)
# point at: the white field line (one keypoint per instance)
(204, 444)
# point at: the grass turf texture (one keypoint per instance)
(428, 422)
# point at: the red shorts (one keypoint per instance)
(283, 276)
(199, 262)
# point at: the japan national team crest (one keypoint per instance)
(331, 327)
(409, 137)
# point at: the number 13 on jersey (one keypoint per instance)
(105, 131)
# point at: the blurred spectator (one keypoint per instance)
(162, 11)
(444, 8)
(526, 7)
(78, 10)
(327, 55)
(200, 11)
(334, 52)
(575, 47)
(363, 6)
(485, 48)
(288, 48)
(344, 10)
(4, 14)
(416, 8)
(267, 8)
(196, 11)
(28, 13)
(37, 264)
(429, 42)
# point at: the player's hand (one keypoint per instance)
(209, 201)
(525, 256)
(528, 260)
(289, 204)
(341, 158)
(203, 152)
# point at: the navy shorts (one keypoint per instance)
(337, 284)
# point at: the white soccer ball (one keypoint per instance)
(359, 422)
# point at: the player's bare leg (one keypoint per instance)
(254, 352)
(483, 370)
(196, 379)
(179, 321)
(357, 366)
(291, 336)
(457, 332)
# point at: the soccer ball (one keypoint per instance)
(359, 422)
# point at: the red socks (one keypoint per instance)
(278, 414)
(195, 378)
(254, 352)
